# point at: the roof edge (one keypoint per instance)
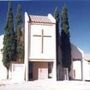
(51, 18)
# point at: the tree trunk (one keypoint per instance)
(7, 73)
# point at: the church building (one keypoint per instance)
(40, 59)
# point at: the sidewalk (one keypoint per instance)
(44, 85)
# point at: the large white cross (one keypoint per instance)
(42, 38)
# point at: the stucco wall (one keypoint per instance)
(48, 42)
(3, 71)
(18, 72)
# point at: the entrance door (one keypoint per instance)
(40, 70)
(43, 71)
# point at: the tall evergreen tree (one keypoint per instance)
(19, 34)
(56, 16)
(9, 40)
(65, 40)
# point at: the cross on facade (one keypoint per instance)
(42, 38)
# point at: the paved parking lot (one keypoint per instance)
(46, 85)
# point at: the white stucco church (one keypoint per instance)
(40, 54)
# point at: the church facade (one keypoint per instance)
(40, 61)
(40, 47)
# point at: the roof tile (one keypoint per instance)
(40, 19)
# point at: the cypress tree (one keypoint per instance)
(19, 34)
(9, 40)
(57, 18)
(65, 40)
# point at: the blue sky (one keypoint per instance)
(78, 14)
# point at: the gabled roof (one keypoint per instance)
(77, 53)
(39, 19)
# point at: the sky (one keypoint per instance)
(78, 15)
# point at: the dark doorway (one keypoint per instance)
(30, 71)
